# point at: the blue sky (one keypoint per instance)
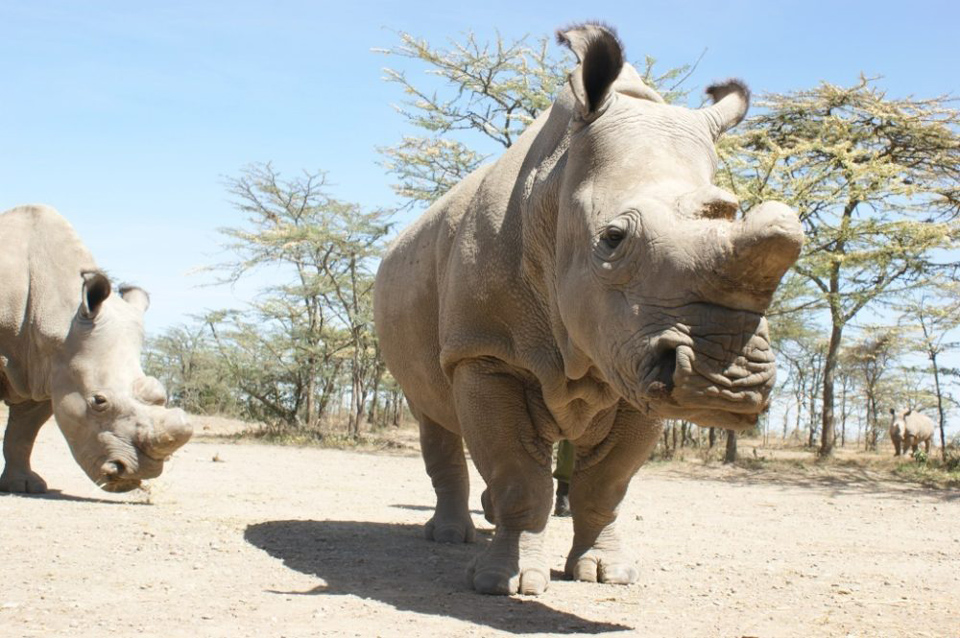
(126, 115)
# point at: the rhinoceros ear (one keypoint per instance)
(731, 99)
(601, 57)
(136, 297)
(96, 288)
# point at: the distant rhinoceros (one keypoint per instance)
(70, 348)
(908, 430)
(588, 284)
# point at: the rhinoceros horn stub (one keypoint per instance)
(760, 250)
(167, 436)
(150, 390)
(731, 99)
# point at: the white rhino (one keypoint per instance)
(70, 348)
(909, 429)
(588, 284)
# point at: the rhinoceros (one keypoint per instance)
(908, 430)
(588, 284)
(71, 348)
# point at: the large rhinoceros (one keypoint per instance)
(70, 348)
(588, 284)
(908, 429)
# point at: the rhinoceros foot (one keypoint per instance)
(22, 482)
(450, 529)
(513, 563)
(603, 562)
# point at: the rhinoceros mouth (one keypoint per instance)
(117, 475)
(118, 486)
(713, 375)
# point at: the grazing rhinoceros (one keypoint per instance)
(70, 348)
(588, 284)
(908, 430)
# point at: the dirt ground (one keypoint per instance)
(243, 539)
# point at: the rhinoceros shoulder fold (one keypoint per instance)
(40, 267)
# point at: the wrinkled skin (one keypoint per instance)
(590, 283)
(71, 348)
(908, 429)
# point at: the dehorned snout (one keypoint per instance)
(761, 248)
(167, 435)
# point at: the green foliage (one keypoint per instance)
(186, 361)
(876, 182)
(306, 343)
(478, 95)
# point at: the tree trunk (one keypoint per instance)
(936, 383)
(843, 411)
(730, 455)
(827, 430)
(311, 397)
(713, 438)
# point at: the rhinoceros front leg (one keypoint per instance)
(23, 424)
(515, 463)
(443, 455)
(598, 554)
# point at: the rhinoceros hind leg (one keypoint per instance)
(597, 554)
(443, 455)
(23, 424)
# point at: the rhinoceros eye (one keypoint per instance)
(99, 402)
(612, 235)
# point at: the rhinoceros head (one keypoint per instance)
(112, 414)
(661, 284)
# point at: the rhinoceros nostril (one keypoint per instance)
(113, 469)
(666, 365)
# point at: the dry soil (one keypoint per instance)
(259, 540)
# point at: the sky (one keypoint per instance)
(128, 116)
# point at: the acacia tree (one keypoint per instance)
(196, 379)
(870, 359)
(935, 318)
(478, 97)
(876, 182)
(317, 321)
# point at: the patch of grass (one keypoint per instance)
(337, 440)
(930, 473)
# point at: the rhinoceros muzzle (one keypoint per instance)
(716, 373)
(128, 461)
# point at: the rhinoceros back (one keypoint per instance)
(919, 426)
(407, 300)
(40, 267)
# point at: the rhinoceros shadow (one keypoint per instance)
(393, 563)
(57, 495)
(426, 508)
